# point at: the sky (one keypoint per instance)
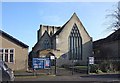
(22, 19)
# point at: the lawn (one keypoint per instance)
(81, 67)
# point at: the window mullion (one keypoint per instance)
(76, 47)
(69, 40)
(79, 48)
(3, 54)
(8, 55)
(73, 47)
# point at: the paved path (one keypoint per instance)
(66, 75)
(59, 72)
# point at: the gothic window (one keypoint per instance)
(75, 44)
(46, 44)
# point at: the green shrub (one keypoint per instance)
(98, 71)
(106, 66)
(77, 64)
(93, 68)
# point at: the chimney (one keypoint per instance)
(39, 33)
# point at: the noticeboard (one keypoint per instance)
(41, 63)
(52, 57)
(91, 60)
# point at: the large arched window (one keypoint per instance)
(75, 44)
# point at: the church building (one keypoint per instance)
(67, 43)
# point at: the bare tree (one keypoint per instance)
(115, 18)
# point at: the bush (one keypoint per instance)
(98, 71)
(94, 68)
(116, 66)
(77, 64)
(106, 66)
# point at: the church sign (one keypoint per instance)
(41, 63)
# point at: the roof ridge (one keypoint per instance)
(12, 38)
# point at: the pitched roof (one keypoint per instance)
(113, 37)
(44, 34)
(3, 34)
(57, 33)
(74, 15)
(41, 38)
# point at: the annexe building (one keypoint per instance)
(67, 43)
(107, 51)
(13, 52)
(109, 47)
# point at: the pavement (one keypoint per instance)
(59, 72)
(95, 78)
(66, 75)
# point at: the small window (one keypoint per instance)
(1, 54)
(1, 51)
(7, 55)
(11, 57)
(6, 50)
(11, 50)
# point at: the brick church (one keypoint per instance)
(67, 43)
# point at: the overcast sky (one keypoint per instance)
(22, 19)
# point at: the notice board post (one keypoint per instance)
(90, 61)
(40, 63)
(54, 58)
